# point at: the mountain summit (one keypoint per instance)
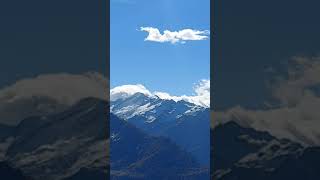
(201, 96)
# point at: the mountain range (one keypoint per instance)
(74, 144)
(185, 123)
(45, 135)
(182, 125)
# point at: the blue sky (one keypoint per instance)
(172, 68)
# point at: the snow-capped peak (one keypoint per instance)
(200, 98)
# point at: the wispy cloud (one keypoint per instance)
(201, 97)
(296, 115)
(125, 91)
(63, 87)
(173, 37)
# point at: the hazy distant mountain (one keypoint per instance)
(137, 155)
(182, 122)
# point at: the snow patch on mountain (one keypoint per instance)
(130, 111)
(143, 109)
(151, 119)
(193, 110)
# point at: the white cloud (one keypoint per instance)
(125, 91)
(203, 92)
(64, 88)
(174, 36)
(201, 97)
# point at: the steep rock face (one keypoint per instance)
(137, 155)
(184, 123)
(148, 107)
